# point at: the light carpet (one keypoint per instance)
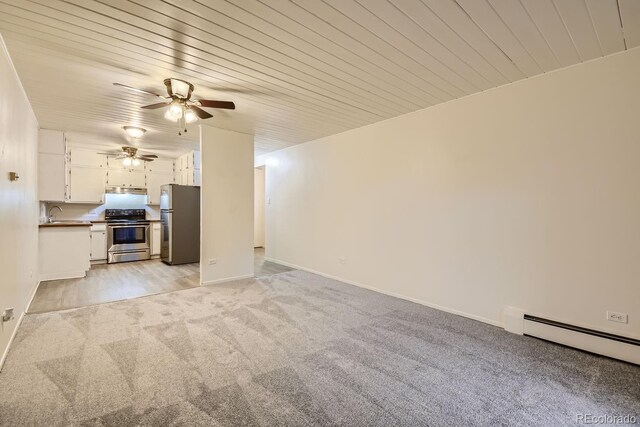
(296, 349)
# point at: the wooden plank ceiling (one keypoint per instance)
(297, 70)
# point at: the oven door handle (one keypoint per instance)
(128, 226)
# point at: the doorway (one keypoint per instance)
(262, 267)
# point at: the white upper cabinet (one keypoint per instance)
(187, 169)
(86, 157)
(51, 142)
(125, 178)
(137, 179)
(118, 178)
(51, 166)
(189, 161)
(154, 182)
(86, 185)
(196, 160)
(160, 166)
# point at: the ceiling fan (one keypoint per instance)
(182, 109)
(130, 156)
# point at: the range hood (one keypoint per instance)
(126, 190)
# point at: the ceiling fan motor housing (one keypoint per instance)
(179, 88)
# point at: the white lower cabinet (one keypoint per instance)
(98, 233)
(63, 252)
(155, 238)
(86, 185)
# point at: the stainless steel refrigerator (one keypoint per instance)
(180, 218)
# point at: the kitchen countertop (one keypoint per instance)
(66, 224)
(104, 221)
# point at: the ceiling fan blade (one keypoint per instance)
(145, 159)
(154, 106)
(209, 103)
(153, 156)
(201, 113)
(135, 89)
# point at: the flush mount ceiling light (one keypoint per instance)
(134, 132)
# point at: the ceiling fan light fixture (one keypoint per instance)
(190, 116)
(134, 131)
(136, 162)
(126, 161)
(180, 88)
(176, 110)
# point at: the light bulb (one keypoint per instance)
(136, 162)
(176, 110)
(190, 116)
(169, 116)
(127, 161)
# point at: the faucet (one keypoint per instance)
(50, 216)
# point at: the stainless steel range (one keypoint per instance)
(128, 235)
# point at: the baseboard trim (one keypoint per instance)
(66, 275)
(18, 323)
(13, 335)
(392, 294)
(227, 279)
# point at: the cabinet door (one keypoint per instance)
(114, 163)
(197, 177)
(86, 185)
(185, 177)
(160, 166)
(189, 160)
(51, 177)
(118, 178)
(154, 182)
(98, 245)
(155, 239)
(51, 142)
(137, 179)
(196, 160)
(83, 157)
(138, 167)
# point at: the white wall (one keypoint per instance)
(227, 205)
(258, 207)
(18, 199)
(527, 195)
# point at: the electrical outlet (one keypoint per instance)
(342, 260)
(612, 316)
(213, 261)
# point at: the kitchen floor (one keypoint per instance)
(116, 282)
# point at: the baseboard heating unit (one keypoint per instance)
(604, 343)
